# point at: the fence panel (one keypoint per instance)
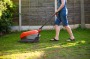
(36, 12)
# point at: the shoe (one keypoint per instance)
(69, 39)
(54, 39)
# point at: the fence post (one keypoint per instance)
(55, 7)
(82, 15)
(19, 15)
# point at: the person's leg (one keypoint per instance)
(57, 29)
(69, 31)
(66, 25)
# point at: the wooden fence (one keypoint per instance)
(36, 12)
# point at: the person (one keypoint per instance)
(61, 16)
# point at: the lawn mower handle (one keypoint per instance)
(46, 22)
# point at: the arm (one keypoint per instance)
(62, 5)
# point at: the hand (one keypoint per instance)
(56, 13)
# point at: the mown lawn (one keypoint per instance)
(10, 48)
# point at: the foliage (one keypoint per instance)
(6, 13)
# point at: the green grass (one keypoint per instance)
(10, 48)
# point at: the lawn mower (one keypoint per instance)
(33, 35)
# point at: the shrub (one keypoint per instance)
(7, 9)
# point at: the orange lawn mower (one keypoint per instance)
(33, 35)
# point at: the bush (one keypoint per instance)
(6, 13)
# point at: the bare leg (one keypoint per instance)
(57, 29)
(69, 31)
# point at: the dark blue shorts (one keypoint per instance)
(61, 17)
